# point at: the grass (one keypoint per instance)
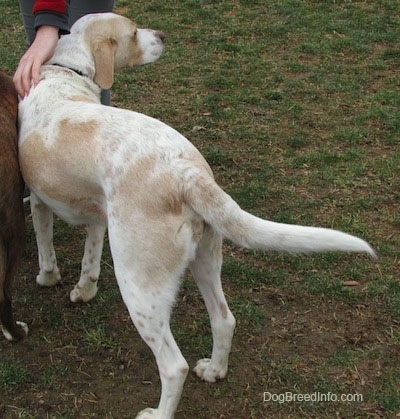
(11, 377)
(295, 104)
(97, 338)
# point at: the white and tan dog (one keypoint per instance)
(116, 169)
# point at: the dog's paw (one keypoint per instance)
(207, 372)
(48, 279)
(23, 332)
(24, 327)
(148, 414)
(83, 294)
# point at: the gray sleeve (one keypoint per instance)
(53, 19)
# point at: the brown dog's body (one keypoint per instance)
(12, 219)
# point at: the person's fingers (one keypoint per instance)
(26, 79)
(22, 77)
(17, 84)
(39, 52)
(35, 72)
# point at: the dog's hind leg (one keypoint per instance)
(42, 217)
(172, 366)
(86, 288)
(148, 289)
(150, 312)
(206, 270)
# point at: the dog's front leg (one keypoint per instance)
(86, 288)
(42, 217)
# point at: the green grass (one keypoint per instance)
(11, 376)
(98, 338)
(296, 106)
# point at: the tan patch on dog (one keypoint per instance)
(71, 132)
(71, 164)
(31, 155)
(162, 223)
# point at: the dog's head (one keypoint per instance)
(115, 42)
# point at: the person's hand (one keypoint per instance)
(38, 53)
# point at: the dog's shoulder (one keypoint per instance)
(58, 89)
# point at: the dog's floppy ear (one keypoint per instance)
(104, 54)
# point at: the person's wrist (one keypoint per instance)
(47, 31)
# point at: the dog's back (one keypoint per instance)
(12, 220)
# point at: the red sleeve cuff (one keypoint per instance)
(58, 6)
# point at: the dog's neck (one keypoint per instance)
(74, 55)
(72, 69)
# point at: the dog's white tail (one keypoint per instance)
(220, 211)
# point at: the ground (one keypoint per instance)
(87, 360)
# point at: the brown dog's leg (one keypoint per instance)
(12, 233)
(12, 217)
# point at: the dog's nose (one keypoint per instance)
(161, 35)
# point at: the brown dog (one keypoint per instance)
(12, 219)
